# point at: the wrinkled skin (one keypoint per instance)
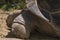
(27, 22)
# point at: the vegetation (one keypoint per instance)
(12, 4)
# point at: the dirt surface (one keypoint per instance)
(3, 24)
(10, 39)
(34, 36)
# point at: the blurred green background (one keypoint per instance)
(12, 4)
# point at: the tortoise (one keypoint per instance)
(35, 17)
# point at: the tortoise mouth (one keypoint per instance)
(51, 5)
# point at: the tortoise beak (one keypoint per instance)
(33, 7)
